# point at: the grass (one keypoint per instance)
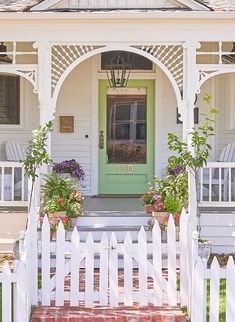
(222, 308)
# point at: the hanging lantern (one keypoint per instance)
(4, 59)
(118, 70)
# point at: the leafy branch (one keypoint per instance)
(36, 153)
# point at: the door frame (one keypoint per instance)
(135, 83)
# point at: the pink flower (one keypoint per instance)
(157, 197)
(50, 222)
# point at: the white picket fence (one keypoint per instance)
(217, 184)
(201, 276)
(13, 184)
(15, 301)
(75, 257)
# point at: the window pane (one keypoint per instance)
(9, 99)
(126, 129)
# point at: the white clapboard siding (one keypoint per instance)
(220, 229)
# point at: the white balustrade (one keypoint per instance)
(13, 184)
(217, 184)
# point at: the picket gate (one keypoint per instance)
(75, 262)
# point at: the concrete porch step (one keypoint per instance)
(106, 314)
(6, 244)
(97, 232)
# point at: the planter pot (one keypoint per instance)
(53, 217)
(204, 249)
(158, 215)
(73, 222)
(52, 235)
(148, 209)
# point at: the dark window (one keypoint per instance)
(9, 99)
(136, 62)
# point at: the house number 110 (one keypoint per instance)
(124, 168)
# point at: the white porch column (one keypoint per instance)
(190, 90)
(46, 108)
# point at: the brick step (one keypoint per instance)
(105, 314)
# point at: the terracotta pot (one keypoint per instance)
(52, 235)
(73, 222)
(158, 215)
(54, 217)
(148, 209)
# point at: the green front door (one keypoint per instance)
(126, 137)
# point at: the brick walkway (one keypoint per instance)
(101, 314)
(106, 314)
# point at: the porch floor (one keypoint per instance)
(112, 204)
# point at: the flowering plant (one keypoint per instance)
(70, 166)
(61, 195)
(54, 223)
(75, 202)
(151, 198)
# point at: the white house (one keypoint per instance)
(54, 56)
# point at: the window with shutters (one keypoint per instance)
(9, 99)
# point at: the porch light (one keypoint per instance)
(4, 59)
(229, 59)
(118, 70)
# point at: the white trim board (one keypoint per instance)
(53, 4)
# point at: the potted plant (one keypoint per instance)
(60, 197)
(74, 207)
(69, 168)
(148, 201)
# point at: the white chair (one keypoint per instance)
(14, 151)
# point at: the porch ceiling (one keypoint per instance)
(188, 5)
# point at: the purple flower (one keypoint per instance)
(70, 166)
(177, 170)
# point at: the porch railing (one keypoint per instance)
(13, 184)
(217, 184)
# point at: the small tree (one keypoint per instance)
(36, 154)
(193, 158)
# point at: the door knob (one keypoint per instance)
(101, 139)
